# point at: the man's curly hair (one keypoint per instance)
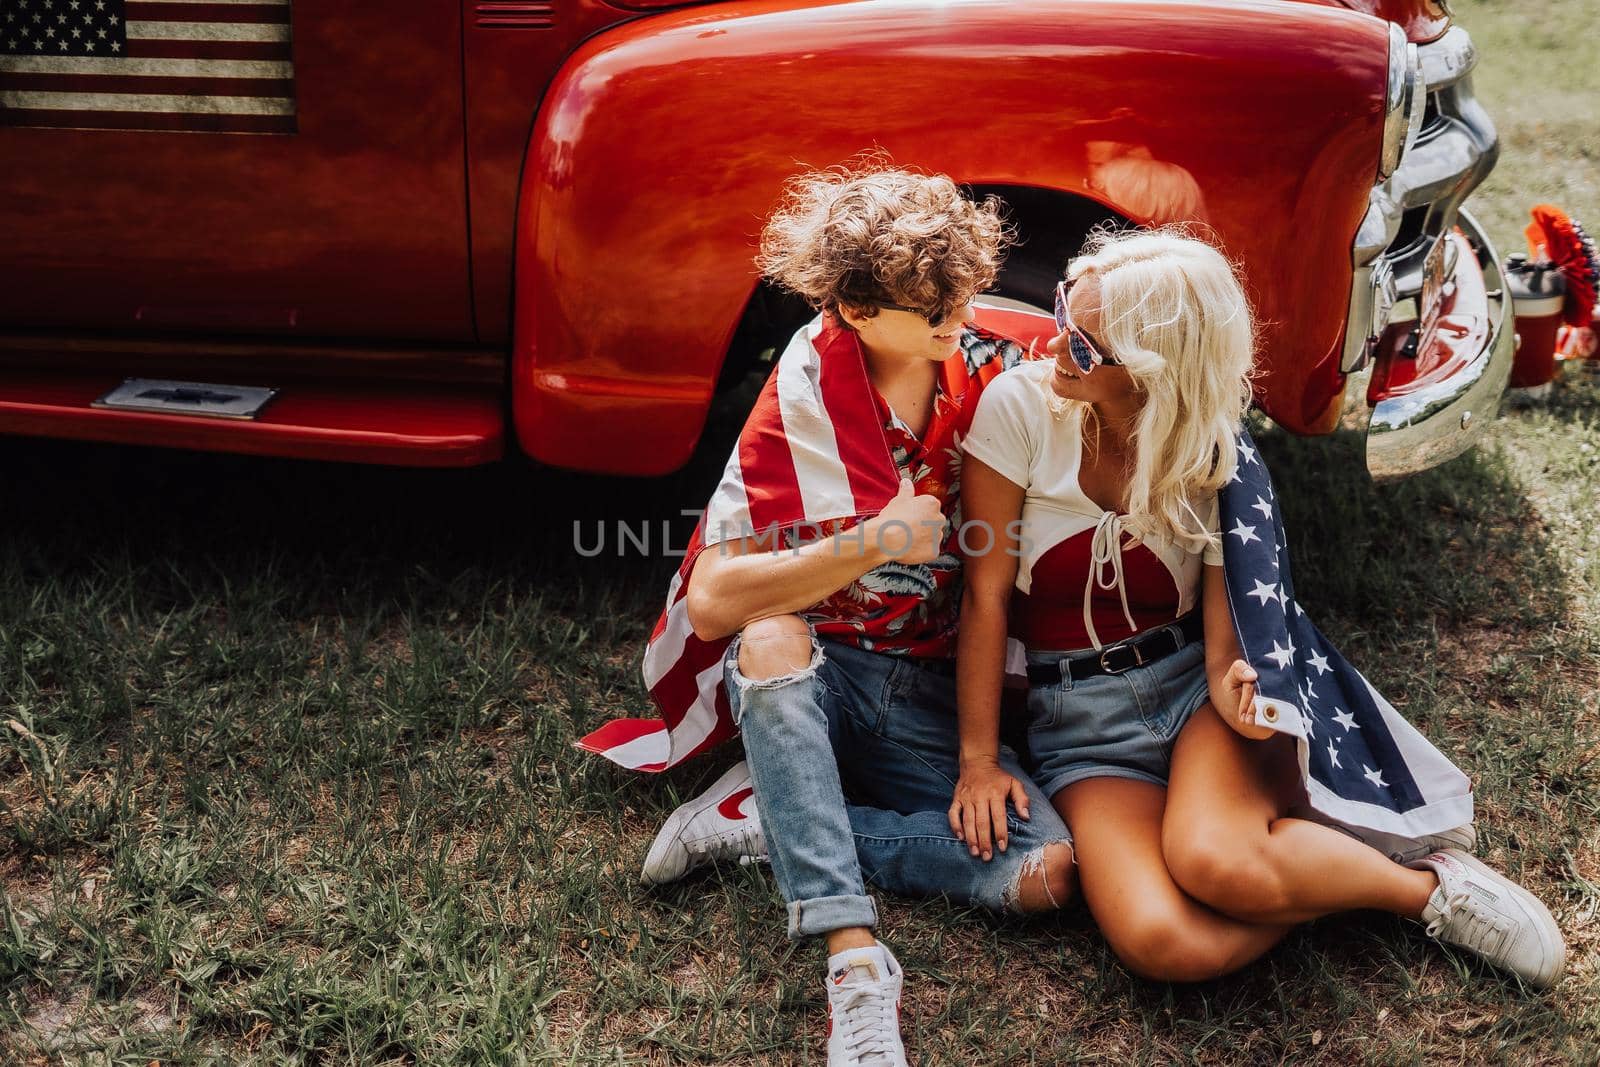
(864, 236)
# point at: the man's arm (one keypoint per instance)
(734, 583)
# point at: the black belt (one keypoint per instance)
(1115, 659)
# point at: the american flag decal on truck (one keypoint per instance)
(214, 66)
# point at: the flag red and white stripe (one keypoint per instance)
(221, 66)
(812, 451)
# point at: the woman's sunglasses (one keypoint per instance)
(1085, 353)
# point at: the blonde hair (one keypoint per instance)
(1174, 313)
(870, 235)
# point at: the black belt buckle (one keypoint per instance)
(1114, 663)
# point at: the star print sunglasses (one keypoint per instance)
(1085, 353)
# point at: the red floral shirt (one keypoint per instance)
(910, 609)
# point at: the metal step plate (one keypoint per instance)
(188, 398)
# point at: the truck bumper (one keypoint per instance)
(1425, 399)
(1427, 359)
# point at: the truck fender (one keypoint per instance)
(663, 143)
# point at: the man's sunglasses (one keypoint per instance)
(1085, 353)
(932, 318)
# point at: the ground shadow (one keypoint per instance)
(1380, 567)
(253, 713)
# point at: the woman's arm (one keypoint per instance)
(734, 583)
(990, 505)
(1231, 680)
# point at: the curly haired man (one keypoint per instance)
(840, 670)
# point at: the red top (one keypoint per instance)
(1077, 561)
(1050, 614)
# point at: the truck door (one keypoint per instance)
(233, 167)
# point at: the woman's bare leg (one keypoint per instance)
(1154, 928)
(1227, 843)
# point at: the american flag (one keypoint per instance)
(812, 451)
(219, 66)
(1363, 765)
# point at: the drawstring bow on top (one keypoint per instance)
(1105, 550)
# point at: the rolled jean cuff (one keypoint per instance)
(822, 915)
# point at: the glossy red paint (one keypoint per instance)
(1462, 331)
(639, 212)
(355, 226)
(1423, 20)
(631, 203)
(511, 52)
(432, 426)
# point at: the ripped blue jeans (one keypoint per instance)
(854, 762)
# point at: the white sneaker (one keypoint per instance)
(1406, 851)
(864, 1009)
(720, 823)
(1484, 911)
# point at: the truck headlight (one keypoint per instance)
(1403, 105)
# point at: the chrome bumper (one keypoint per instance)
(1455, 150)
(1426, 426)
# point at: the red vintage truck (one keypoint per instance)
(438, 231)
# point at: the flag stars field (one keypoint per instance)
(1264, 592)
(151, 65)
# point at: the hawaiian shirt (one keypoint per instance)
(910, 609)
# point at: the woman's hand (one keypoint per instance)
(978, 813)
(1239, 687)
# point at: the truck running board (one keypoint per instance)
(188, 398)
(407, 424)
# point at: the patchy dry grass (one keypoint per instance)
(1542, 89)
(286, 776)
(282, 792)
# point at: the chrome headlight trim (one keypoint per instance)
(1404, 102)
(1439, 166)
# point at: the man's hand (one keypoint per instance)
(1239, 685)
(910, 528)
(978, 813)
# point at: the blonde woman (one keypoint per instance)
(1141, 707)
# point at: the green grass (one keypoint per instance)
(286, 776)
(1537, 79)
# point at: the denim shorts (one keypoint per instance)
(854, 762)
(1113, 725)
